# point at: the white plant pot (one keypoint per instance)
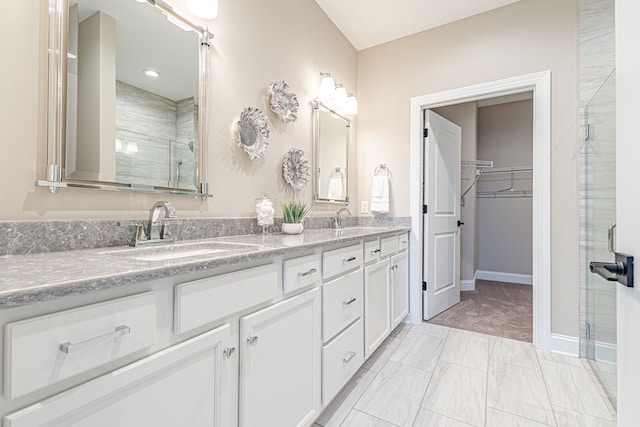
(296, 228)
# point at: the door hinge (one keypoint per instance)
(424, 286)
(425, 132)
(424, 209)
(587, 330)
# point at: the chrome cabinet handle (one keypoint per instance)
(394, 267)
(375, 251)
(229, 352)
(611, 239)
(350, 355)
(253, 340)
(349, 259)
(306, 273)
(349, 301)
(69, 347)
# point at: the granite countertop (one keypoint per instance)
(28, 279)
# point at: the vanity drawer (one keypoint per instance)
(371, 251)
(341, 359)
(200, 302)
(342, 303)
(341, 260)
(44, 350)
(388, 246)
(403, 241)
(301, 272)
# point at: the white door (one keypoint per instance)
(441, 241)
(628, 206)
(188, 384)
(399, 288)
(280, 363)
(377, 310)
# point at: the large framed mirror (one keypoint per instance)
(331, 159)
(127, 98)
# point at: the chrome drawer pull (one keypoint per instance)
(349, 301)
(375, 251)
(306, 273)
(253, 340)
(350, 355)
(349, 259)
(229, 352)
(69, 347)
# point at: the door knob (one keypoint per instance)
(620, 271)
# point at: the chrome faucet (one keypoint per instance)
(156, 231)
(338, 221)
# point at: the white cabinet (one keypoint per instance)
(280, 363)
(45, 350)
(377, 307)
(399, 288)
(342, 302)
(185, 385)
(341, 359)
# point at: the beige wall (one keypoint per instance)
(505, 135)
(528, 36)
(256, 43)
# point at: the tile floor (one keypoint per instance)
(431, 375)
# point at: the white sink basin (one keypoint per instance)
(180, 250)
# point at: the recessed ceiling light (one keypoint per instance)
(152, 73)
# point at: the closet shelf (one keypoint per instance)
(502, 183)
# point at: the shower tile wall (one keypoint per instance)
(596, 62)
(155, 126)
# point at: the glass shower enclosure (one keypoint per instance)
(598, 212)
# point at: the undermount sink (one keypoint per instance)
(180, 250)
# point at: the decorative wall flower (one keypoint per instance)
(295, 169)
(284, 103)
(253, 132)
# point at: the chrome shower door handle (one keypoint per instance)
(611, 245)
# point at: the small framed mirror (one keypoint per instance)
(331, 159)
(127, 98)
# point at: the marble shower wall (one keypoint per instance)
(155, 135)
(596, 62)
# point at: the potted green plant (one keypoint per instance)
(293, 213)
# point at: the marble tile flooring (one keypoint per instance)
(431, 375)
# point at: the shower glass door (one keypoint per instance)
(599, 202)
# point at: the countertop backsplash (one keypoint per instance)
(32, 237)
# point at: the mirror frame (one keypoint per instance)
(58, 28)
(317, 105)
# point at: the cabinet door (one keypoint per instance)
(399, 288)
(280, 363)
(377, 307)
(187, 384)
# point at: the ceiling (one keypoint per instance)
(368, 23)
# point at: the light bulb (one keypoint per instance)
(206, 9)
(340, 98)
(327, 88)
(351, 105)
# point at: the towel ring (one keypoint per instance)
(335, 171)
(382, 167)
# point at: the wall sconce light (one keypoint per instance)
(327, 88)
(335, 96)
(351, 105)
(206, 9)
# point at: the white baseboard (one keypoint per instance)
(498, 276)
(606, 352)
(468, 285)
(564, 344)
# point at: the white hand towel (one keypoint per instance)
(335, 188)
(380, 194)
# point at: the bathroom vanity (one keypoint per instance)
(245, 330)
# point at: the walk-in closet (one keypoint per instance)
(496, 214)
